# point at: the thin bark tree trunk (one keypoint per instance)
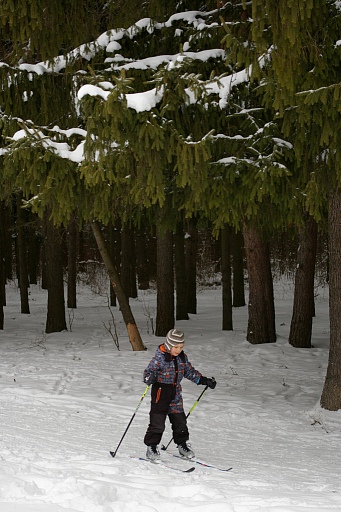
(34, 246)
(55, 321)
(331, 395)
(133, 333)
(114, 247)
(180, 273)
(152, 257)
(191, 244)
(22, 270)
(7, 240)
(72, 262)
(44, 284)
(2, 265)
(142, 260)
(303, 309)
(2, 290)
(261, 309)
(238, 269)
(128, 270)
(33, 251)
(165, 283)
(226, 278)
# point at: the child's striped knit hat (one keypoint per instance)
(173, 338)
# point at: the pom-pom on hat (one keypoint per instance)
(173, 338)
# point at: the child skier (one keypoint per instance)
(165, 372)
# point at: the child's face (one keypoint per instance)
(175, 351)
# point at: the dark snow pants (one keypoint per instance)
(162, 396)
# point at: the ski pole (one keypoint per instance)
(131, 420)
(164, 448)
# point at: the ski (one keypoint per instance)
(163, 464)
(201, 463)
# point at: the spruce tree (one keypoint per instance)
(301, 39)
(156, 113)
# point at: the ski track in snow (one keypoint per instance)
(66, 399)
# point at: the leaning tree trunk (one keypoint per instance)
(226, 278)
(55, 321)
(331, 395)
(261, 309)
(165, 283)
(303, 309)
(133, 332)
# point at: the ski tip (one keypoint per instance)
(190, 470)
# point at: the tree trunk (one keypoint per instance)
(7, 240)
(44, 284)
(165, 283)
(226, 278)
(191, 265)
(2, 265)
(133, 333)
(303, 309)
(238, 269)
(55, 321)
(152, 257)
(2, 288)
(142, 260)
(72, 262)
(114, 236)
(33, 249)
(128, 267)
(261, 309)
(331, 395)
(22, 270)
(180, 274)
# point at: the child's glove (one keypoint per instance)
(211, 383)
(149, 379)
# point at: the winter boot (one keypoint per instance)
(153, 453)
(186, 451)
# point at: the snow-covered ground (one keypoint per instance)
(66, 399)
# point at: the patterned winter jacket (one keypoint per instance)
(168, 372)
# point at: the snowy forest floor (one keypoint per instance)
(66, 399)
